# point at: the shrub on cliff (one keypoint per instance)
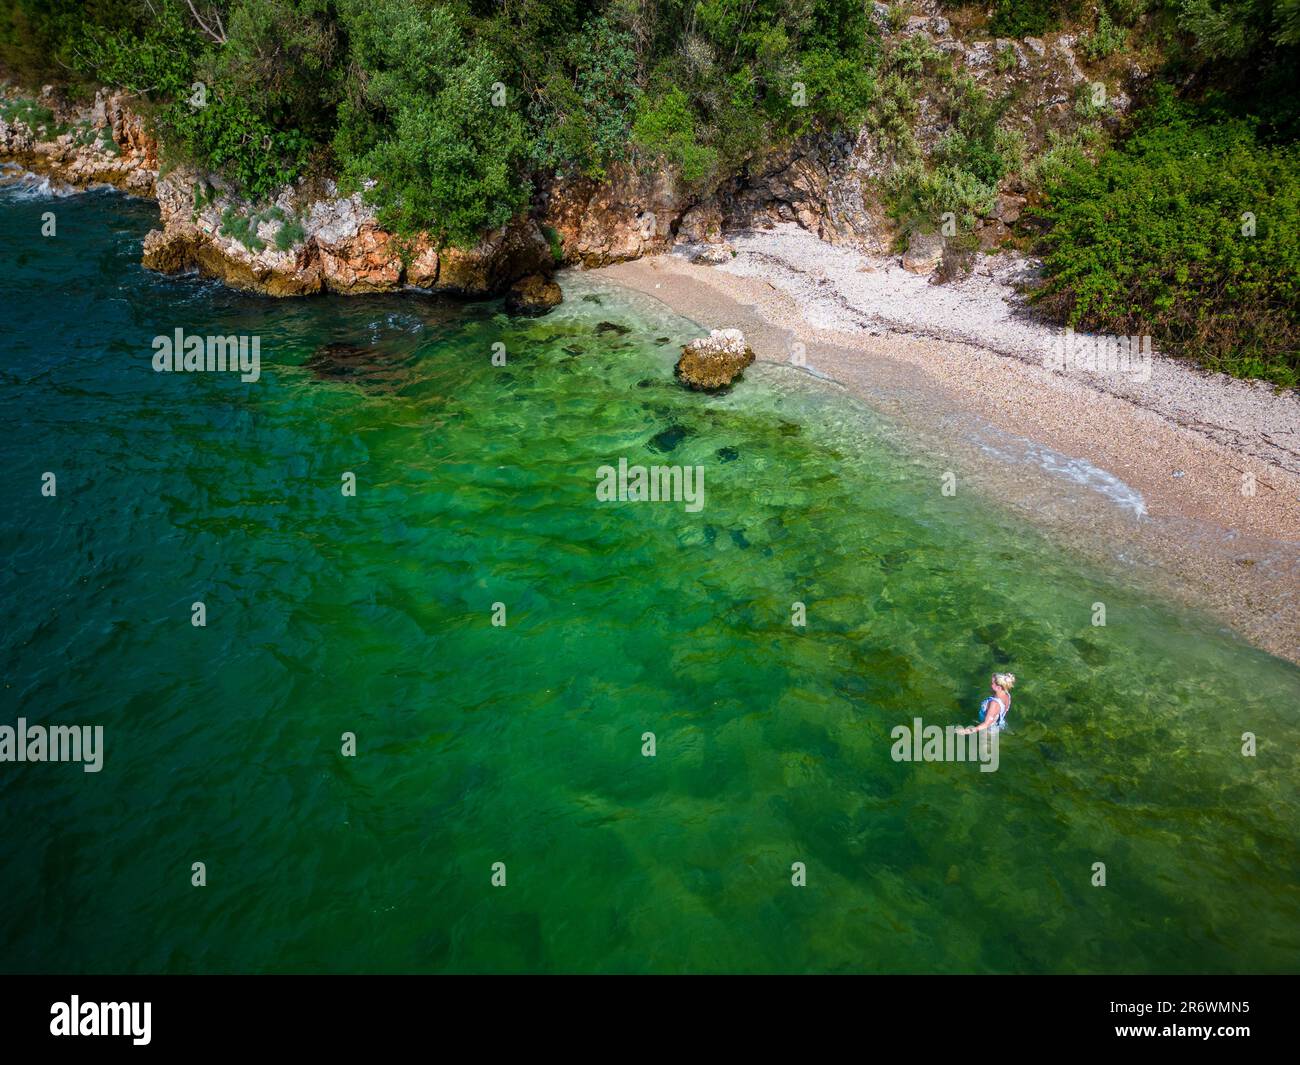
(1189, 232)
(728, 79)
(251, 105)
(583, 119)
(428, 127)
(399, 97)
(665, 128)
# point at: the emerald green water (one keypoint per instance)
(522, 744)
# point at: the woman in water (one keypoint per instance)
(1002, 683)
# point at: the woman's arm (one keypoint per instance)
(986, 723)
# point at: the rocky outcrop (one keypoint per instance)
(103, 144)
(533, 295)
(924, 252)
(1008, 208)
(701, 224)
(625, 217)
(299, 243)
(820, 182)
(715, 361)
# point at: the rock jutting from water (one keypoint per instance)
(715, 361)
(307, 239)
(533, 295)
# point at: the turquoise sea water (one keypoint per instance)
(522, 743)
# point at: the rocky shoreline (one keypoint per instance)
(303, 242)
(309, 238)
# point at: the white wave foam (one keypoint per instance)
(1080, 471)
(20, 184)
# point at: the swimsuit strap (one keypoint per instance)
(1002, 711)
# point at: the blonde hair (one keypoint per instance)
(1005, 680)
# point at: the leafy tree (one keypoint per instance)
(427, 127)
(665, 129)
(583, 110)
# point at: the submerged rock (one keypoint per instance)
(668, 439)
(534, 295)
(360, 365)
(715, 361)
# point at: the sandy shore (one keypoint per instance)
(1155, 475)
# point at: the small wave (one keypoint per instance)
(1080, 471)
(20, 184)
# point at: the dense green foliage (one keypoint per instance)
(426, 117)
(447, 114)
(969, 161)
(1153, 236)
(1189, 232)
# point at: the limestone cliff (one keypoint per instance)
(302, 242)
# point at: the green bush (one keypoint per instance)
(1105, 40)
(1150, 240)
(289, 234)
(36, 117)
(1025, 18)
(665, 128)
(839, 91)
(1062, 152)
(892, 114)
(919, 197)
(106, 142)
(552, 236)
(583, 120)
(421, 130)
(241, 228)
(235, 123)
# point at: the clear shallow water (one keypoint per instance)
(522, 744)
